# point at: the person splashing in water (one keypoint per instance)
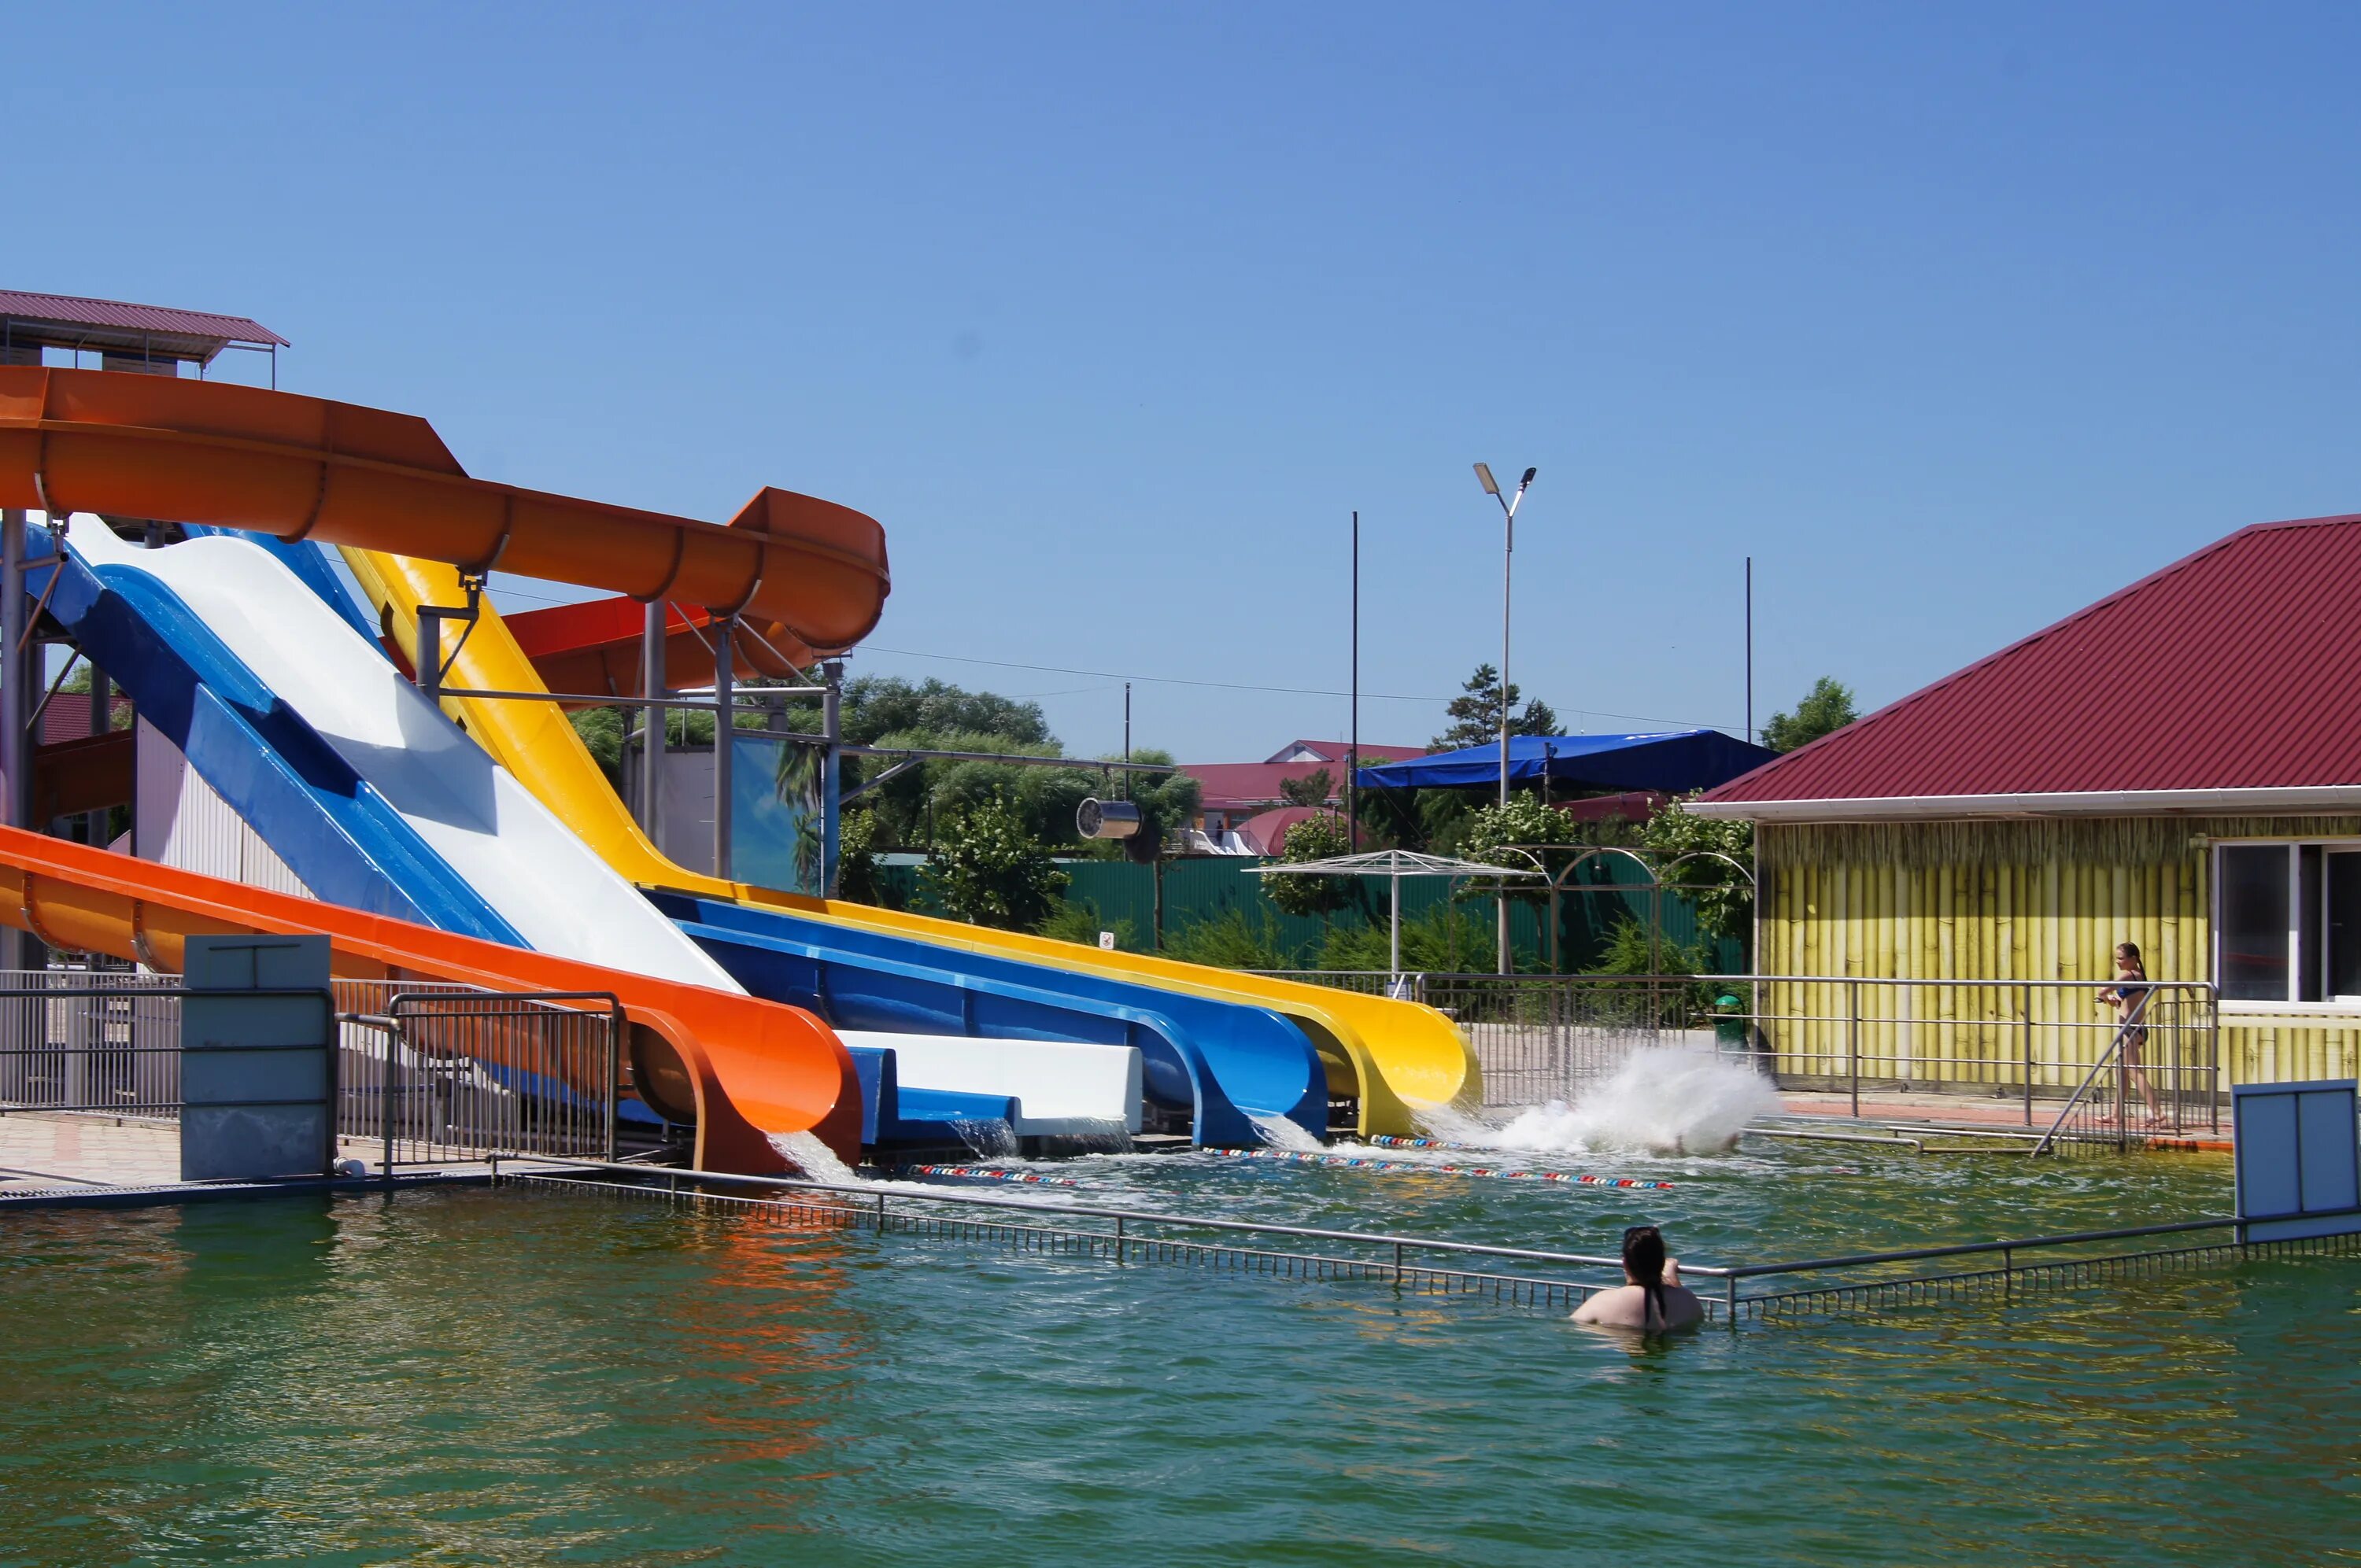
(1652, 1300)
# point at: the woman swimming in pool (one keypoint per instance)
(1652, 1300)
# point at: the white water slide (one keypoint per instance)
(551, 888)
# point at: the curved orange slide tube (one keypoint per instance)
(743, 1070)
(299, 468)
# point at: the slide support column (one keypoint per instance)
(17, 948)
(725, 722)
(652, 717)
(831, 788)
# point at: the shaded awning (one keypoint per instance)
(1674, 762)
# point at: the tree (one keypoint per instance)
(1826, 708)
(1312, 789)
(986, 869)
(1724, 898)
(856, 859)
(1475, 714)
(1317, 837)
(1524, 820)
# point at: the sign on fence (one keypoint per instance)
(2299, 1154)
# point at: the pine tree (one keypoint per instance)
(1475, 714)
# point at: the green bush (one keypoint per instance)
(1235, 938)
(1079, 920)
(987, 870)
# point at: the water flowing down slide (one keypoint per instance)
(1392, 1058)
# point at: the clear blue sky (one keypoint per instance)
(1954, 317)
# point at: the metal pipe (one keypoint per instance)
(17, 949)
(724, 729)
(1353, 746)
(831, 772)
(652, 730)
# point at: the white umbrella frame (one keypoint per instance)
(1393, 866)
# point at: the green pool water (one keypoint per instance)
(514, 1377)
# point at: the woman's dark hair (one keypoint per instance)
(1643, 1260)
(2131, 951)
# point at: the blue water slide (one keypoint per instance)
(1225, 1062)
(312, 566)
(890, 1114)
(333, 829)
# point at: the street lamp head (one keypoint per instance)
(1526, 480)
(1484, 478)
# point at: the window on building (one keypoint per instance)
(2287, 922)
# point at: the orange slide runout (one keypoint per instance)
(740, 1069)
(299, 468)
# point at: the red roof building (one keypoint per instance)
(1232, 792)
(2176, 768)
(2228, 681)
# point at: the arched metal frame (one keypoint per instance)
(1655, 886)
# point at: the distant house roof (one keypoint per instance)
(1246, 786)
(67, 321)
(1267, 831)
(2228, 681)
(1673, 761)
(1337, 751)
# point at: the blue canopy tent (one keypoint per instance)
(1674, 762)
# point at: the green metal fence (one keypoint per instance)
(1159, 902)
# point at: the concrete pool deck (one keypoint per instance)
(58, 1157)
(1885, 1107)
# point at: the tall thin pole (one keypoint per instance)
(831, 780)
(1353, 747)
(651, 719)
(725, 722)
(1508, 560)
(1126, 738)
(17, 949)
(1749, 650)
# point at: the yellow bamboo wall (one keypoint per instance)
(2005, 901)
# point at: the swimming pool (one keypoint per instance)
(466, 1375)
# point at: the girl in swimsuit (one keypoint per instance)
(2131, 996)
(1653, 1300)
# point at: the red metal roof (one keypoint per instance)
(1232, 787)
(115, 318)
(2238, 667)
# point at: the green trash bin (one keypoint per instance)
(1730, 1021)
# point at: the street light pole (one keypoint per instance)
(1508, 505)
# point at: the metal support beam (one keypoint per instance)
(651, 730)
(102, 719)
(17, 678)
(724, 728)
(831, 785)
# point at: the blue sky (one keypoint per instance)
(1955, 318)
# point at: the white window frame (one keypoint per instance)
(2340, 1005)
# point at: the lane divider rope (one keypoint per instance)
(1355, 1162)
(985, 1173)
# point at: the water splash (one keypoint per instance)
(1089, 1137)
(986, 1137)
(1665, 1100)
(813, 1158)
(1281, 1133)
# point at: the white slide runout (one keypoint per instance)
(1061, 1089)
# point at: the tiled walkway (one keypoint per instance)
(39, 1150)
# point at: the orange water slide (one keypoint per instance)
(741, 1069)
(299, 468)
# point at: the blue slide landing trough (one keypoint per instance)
(1226, 1063)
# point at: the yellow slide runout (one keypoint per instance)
(1394, 1056)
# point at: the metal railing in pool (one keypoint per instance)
(1854, 1282)
(433, 1072)
(426, 1073)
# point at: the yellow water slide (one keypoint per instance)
(1394, 1057)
